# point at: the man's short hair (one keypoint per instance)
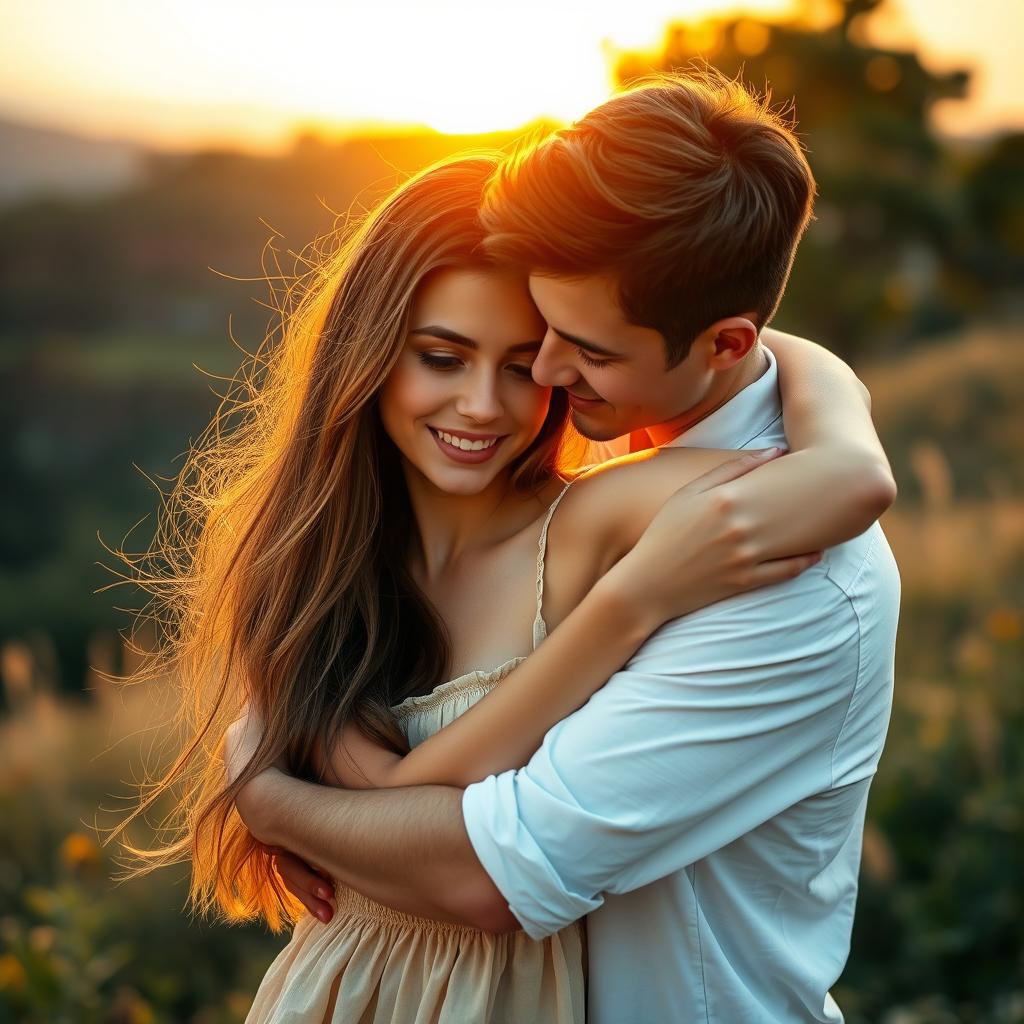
(690, 191)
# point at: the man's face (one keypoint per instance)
(613, 371)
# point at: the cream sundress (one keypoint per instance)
(374, 965)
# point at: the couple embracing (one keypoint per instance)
(538, 734)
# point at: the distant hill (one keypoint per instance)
(44, 161)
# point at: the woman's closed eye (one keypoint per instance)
(445, 363)
(436, 362)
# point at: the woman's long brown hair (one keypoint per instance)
(278, 572)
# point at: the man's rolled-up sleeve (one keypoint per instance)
(722, 720)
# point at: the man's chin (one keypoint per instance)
(593, 429)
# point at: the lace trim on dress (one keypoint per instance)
(479, 680)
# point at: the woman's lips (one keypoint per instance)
(464, 457)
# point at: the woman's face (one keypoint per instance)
(460, 403)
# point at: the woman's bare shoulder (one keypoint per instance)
(655, 473)
(612, 503)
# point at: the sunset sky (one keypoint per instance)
(184, 72)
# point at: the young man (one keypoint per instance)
(705, 808)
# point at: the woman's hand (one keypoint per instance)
(699, 548)
(313, 887)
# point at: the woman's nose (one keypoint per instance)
(479, 400)
(551, 367)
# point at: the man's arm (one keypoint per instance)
(407, 848)
(837, 481)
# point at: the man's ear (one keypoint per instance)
(730, 339)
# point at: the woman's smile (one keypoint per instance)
(465, 447)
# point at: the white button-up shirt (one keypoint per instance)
(706, 807)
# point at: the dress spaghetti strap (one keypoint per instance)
(540, 629)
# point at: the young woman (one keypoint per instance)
(362, 559)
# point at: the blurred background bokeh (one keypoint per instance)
(157, 162)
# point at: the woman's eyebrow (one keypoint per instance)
(446, 334)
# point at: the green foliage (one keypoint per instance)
(952, 417)
(938, 921)
(76, 947)
(76, 952)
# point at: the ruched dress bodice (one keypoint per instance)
(371, 964)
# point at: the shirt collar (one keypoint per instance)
(746, 416)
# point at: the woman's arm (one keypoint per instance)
(836, 481)
(507, 725)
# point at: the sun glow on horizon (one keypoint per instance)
(238, 72)
(182, 73)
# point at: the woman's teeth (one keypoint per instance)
(464, 443)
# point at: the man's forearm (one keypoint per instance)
(407, 848)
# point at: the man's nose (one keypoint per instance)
(479, 400)
(551, 367)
